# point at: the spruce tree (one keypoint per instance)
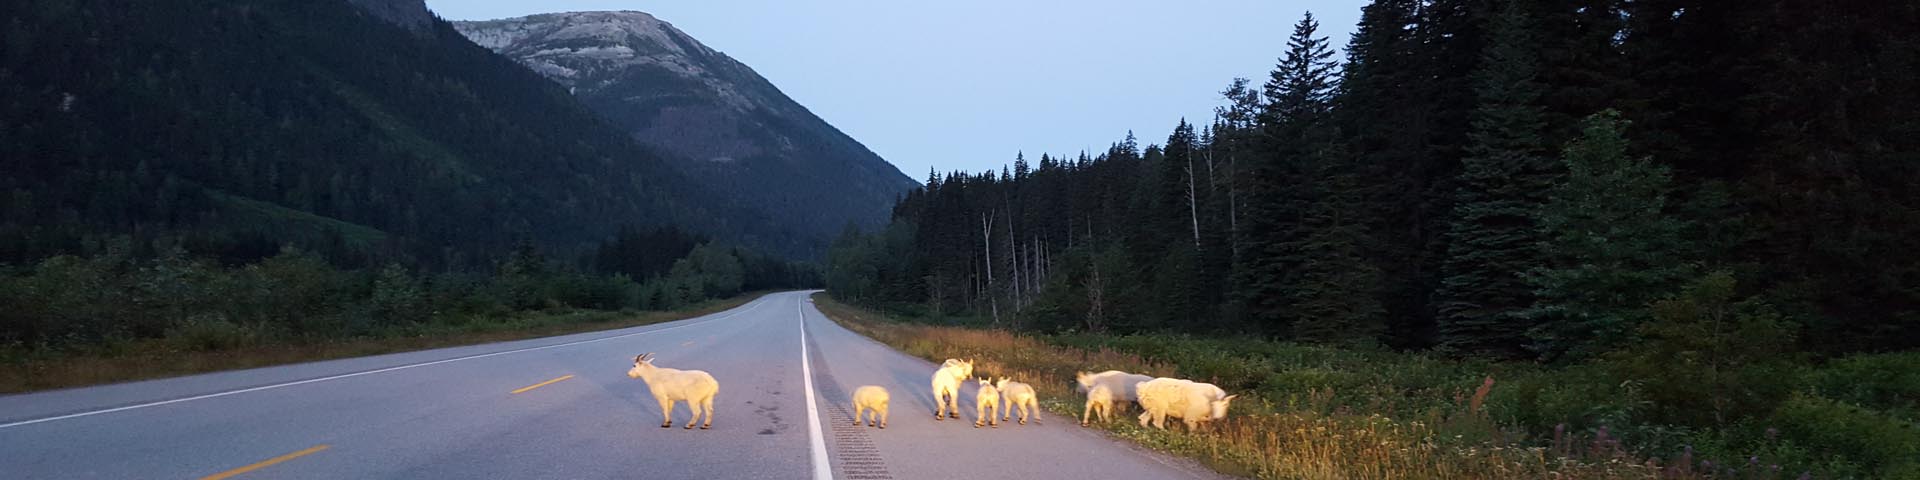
(1178, 269)
(1298, 97)
(1611, 241)
(1335, 292)
(1385, 119)
(1492, 238)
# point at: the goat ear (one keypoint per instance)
(1229, 398)
(639, 358)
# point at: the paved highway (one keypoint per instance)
(557, 407)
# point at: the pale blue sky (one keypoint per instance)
(965, 85)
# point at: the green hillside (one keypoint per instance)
(231, 127)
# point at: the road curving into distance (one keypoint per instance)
(557, 407)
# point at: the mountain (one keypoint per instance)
(369, 130)
(720, 123)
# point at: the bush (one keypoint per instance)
(1882, 445)
(1887, 381)
(208, 332)
(1710, 359)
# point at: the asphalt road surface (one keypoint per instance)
(557, 407)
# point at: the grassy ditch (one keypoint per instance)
(1319, 413)
(190, 351)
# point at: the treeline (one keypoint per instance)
(1686, 210)
(1506, 179)
(70, 302)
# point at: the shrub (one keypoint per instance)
(1882, 445)
(1887, 381)
(208, 332)
(397, 298)
(1709, 359)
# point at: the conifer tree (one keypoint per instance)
(1492, 238)
(1385, 117)
(1611, 240)
(1298, 96)
(1335, 293)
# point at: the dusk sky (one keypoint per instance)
(966, 85)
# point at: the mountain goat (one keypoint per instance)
(1119, 383)
(668, 385)
(1191, 402)
(1019, 397)
(946, 387)
(986, 405)
(870, 400)
(1099, 400)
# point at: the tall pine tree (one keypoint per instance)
(1335, 293)
(1299, 97)
(1492, 238)
(1385, 117)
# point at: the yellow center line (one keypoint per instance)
(265, 464)
(541, 384)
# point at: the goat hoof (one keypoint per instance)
(883, 426)
(1023, 422)
(704, 427)
(689, 427)
(667, 426)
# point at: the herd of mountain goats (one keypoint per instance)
(995, 401)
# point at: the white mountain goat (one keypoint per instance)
(870, 400)
(946, 387)
(1099, 400)
(1191, 402)
(986, 405)
(1019, 397)
(668, 385)
(1118, 382)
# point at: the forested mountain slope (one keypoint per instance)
(232, 127)
(718, 122)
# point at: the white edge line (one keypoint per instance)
(356, 374)
(821, 469)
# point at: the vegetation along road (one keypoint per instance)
(557, 407)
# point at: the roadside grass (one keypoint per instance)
(1445, 430)
(226, 347)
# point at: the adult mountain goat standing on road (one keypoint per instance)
(1119, 384)
(668, 385)
(1191, 402)
(946, 387)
